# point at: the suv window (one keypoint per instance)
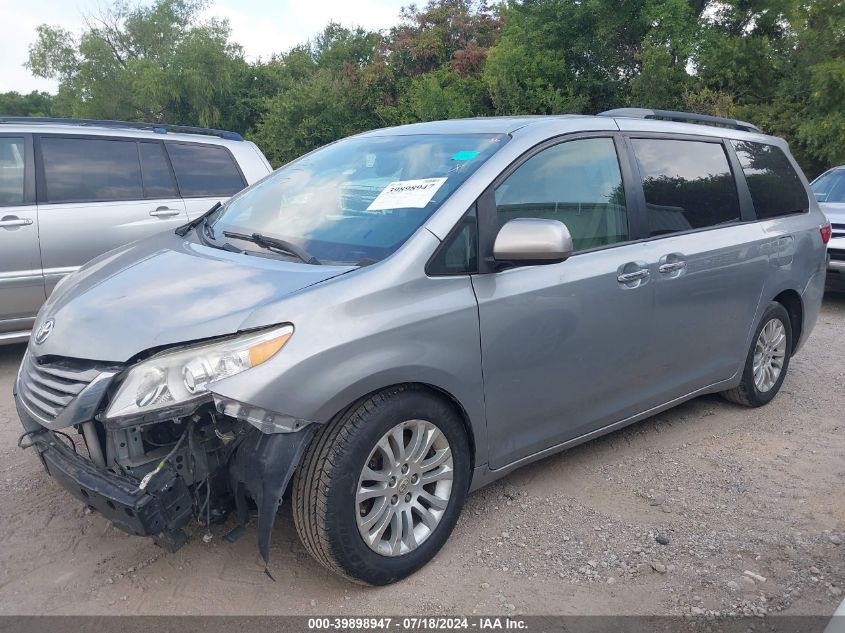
(688, 185)
(203, 170)
(577, 182)
(774, 185)
(11, 170)
(158, 179)
(86, 170)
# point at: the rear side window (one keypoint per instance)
(158, 180)
(87, 170)
(11, 170)
(688, 185)
(775, 187)
(203, 170)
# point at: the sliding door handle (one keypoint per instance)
(671, 267)
(626, 278)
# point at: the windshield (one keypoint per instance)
(358, 200)
(830, 187)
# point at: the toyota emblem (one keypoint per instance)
(44, 331)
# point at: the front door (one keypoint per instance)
(562, 344)
(21, 280)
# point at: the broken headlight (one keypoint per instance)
(180, 377)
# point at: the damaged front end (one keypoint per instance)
(162, 449)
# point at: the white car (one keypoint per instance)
(829, 189)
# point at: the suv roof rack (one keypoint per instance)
(682, 117)
(158, 128)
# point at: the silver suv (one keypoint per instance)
(73, 189)
(410, 313)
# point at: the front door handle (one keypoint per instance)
(164, 212)
(13, 220)
(626, 278)
(671, 267)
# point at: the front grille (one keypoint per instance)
(838, 230)
(48, 388)
(837, 254)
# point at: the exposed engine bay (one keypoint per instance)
(154, 479)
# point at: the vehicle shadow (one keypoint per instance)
(10, 357)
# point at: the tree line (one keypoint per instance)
(777, 63)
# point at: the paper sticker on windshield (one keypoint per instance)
(404, 194)
(465, 155)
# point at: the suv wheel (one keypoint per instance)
(767, 361)
(381, 487)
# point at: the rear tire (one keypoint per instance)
(767, 361)
(348, 461)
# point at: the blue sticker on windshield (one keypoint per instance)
(465, 155)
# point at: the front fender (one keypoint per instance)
(424, 330)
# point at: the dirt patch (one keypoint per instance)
(707, 507)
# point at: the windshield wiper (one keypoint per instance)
(274, 243)
(182, 231)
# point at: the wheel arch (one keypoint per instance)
(791, 300)
(434, 390)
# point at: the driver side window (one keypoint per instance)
(576, 182)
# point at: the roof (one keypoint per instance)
(478, 125)
(120, 128)
(625, 119)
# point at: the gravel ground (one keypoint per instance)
(709, 509)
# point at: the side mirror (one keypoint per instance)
(532, 241)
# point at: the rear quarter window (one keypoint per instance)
(776, 189)
(204, 170)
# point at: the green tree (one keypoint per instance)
(157, 63)
(38, 104)
(588, 56)
(322, 92)
(443, 94)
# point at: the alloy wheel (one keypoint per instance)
(404, 488)
(769, 355)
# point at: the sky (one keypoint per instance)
(262, 27)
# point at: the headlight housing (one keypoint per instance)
(177, 378)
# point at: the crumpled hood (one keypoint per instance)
(162, 291)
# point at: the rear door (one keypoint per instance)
(562, 344)
(21, 280)
(206, 175)
(97, 193)
(707, 260)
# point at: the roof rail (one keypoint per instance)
(683, 117)
(159, 128)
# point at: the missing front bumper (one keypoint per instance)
(159, 511)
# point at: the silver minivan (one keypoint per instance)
(72, 189)
(405, 315)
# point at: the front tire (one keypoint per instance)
(381, 487)
(767, 361)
